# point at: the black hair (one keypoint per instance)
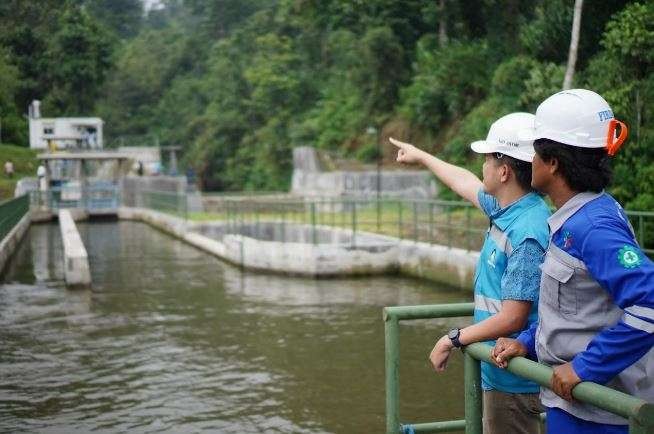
(584, 169)
(521, 169)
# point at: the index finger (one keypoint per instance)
(397, 142)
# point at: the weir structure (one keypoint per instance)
(639, 413)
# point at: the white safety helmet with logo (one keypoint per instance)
(503, 137)
(577, 117)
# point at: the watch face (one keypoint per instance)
(453, 334)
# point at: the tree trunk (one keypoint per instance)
(639, 111)
(574, 45)
(442, 24)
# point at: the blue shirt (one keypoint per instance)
(521, 279)
(600, 236)
(508, 269)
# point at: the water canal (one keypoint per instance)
(170, 339)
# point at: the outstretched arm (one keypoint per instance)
(460, 180)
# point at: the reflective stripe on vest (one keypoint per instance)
(487, 304)
(501, 240)
(641, 311)
(631, 321)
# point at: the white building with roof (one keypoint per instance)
(63, 133)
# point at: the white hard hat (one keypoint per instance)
(503, 137)
(576, 117)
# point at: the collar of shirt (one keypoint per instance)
(503, 217)
(556, 220)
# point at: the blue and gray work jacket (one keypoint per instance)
(596, 305)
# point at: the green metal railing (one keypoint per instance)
(638, 412)
(448, 223)
(11, 211)
(171, 203)
(643, 224)
(101, 196)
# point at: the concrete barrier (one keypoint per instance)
(442, 264)
(9, 243)
(289, 249)
(76, 262)
(283, 248)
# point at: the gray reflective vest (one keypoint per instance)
(572, 309)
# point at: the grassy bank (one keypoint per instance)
(25, 164)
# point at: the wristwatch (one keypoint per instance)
(453, 334)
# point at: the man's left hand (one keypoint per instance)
(564, 380)
(441, 354)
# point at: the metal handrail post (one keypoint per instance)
(473, 396)
(283, 224)
(449, 227)
(354, 223)
(392, 361)
(256, 219)
(431, 223)
(415, 221)
(399, 219)
(468, 228)
(314, 235)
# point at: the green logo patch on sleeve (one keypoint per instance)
(629, 257)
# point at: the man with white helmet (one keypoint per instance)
(596, 309)
(507, 274)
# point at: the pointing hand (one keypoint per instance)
(407, 153)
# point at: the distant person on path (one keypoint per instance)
(40, 174)
(507, 274)
(596, 310)
(9, 169)
(190, 176)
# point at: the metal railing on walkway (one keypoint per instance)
(453, 224)
(638, 412)
(91, 198)
(11, 211)
(170, 203)
(448, 223)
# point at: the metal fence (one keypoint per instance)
(448, 223)
(638, 412)
(170, 203)
(101, 196)
(11, 211)
(454, 224)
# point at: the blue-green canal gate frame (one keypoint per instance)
(639, 412)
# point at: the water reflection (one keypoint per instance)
(171, 339)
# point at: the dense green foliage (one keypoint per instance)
(239, 83)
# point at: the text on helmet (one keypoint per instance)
(605, 115)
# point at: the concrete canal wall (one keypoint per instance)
(9, 243)
(311, 179)
(280, 247)
(290, 249)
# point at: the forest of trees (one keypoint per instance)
(239, 83)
